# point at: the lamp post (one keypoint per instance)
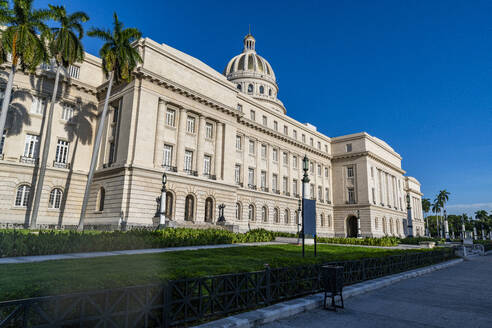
(446, 226)
(409, 217)
(299, 214)
(162, 212)
(221, 219)
(359, 234)
(305, 190)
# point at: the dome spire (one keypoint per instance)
(249, 41)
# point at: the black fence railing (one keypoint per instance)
(187, 301)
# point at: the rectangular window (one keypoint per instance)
(252, 147)
(188, 162)
(251, 177)
(351, 195)
(190, 124)
(326, 172)
(274, 182)
(311, 142)
(171, 117)
(206, 164)
(285, 184)
(286, 130)
(275, 155)
(111, 153)
(263, 151)
(320, 193)
(294, 134)
(73, 71)
(237, 173)
(209, 130)
(311, 191)
(240, 107)
(31, 146)
(252, 115)
(67, 112)
(350, 172)
(238, 143)
(327, 194)
(311, 167)
(294, 187)
(373, 195)
(61, 152)
(265, 120)
(116, 113)
(304, 138)
(168, 155)
(348, 147)
(319, 170)
(319, 145)
(263, 179)
(294, 162)
(38, 105)
(285, 158)
(275, 125)
(2, 140)
(326, 148)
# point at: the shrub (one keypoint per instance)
(369, 241)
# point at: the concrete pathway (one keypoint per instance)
(459, 296)
(70, 256)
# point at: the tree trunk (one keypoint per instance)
(6, 99)
(95, 153)
(44, 156)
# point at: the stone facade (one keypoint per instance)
(221, 139)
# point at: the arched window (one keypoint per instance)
(238, 211)
(169, 204)
(189, 208)
(296, 213)
(262, 89)
(264, 214)
(322, 219)
(239, 87)
(55, 198)
(276, 218)
(270, 92)
(286, 216)
(22, 195)
(100, 199)
(250, 88)
(209, 209)
(251, 212)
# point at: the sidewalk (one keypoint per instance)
(70, 256)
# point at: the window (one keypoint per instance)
(251, 176)
(237, 173)
(169, 204)
(209, 130)
(294, 134)
(67, 112)
(22, 195)
(311, 191)
(206, 164)
(319, 145)
(238, 143)
(239, 87)
(209, 209)
(322, 219)
(286, 216)
(111, 153)
(372, 174)
(285, 184)
(263, 180)
(250, 88)
(276, 218)
(252, 115)
(115, 114)
(61, 152)
(286, 130)
(168, 156)
(285, 158)
(251, 212)
(351, 195)
(263, 151)
(55, 198)
(294, 162)
(326, 148)
(294, 187)
(2, 140)
(252, 147)
(311, 142)
(262, 89)
(304, 138)
(311, 167)
(238, 211)
(240, 107)
(275, 155)
(269, 92)
(73, 71)
(38, 105)
(350, 172)
(320, 193)
(275, 125)
(374, 195)
(189, 208)
(190, 124)
(326, 172)
(264, 214)
(327, 194)
(100, 199)
(274, 182)
(348, 147)
(188, 161)
(265, 120)
(170, 117)
(31, 146)
(319, 170)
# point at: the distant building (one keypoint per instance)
(221, 138)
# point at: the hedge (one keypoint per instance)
(369, 241)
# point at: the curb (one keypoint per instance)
(286, 309)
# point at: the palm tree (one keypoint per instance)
(442, 198)
(119, 59)
(65, 47)
(4, 18)
(426, 205)
(24, 39)
(436, 208)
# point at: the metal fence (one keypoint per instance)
(189, 301)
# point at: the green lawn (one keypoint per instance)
(65, 276)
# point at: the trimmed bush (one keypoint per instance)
(369, 241)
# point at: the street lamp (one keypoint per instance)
(305, 187)
(162, 212)
(221, 219)
(409, 217)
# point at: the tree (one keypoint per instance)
(426, 205)
(442, 198)
(23, 38)
(436, 208)
(65, 48)
(119, 59)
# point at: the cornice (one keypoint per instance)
(368, 154)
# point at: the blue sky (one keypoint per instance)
(417, 74)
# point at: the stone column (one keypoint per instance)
(159, 133)
(323, 182)
(181, 140)
(218, 150)
(199, 145)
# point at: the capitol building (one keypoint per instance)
(221, 139)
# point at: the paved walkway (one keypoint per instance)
(459, 296)
(70, 256)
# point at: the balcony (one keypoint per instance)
(28, 160)
(286, 193)
(191, 172)
(240, 184)
(252, 186)
(351, 201)
(210, 176)
(321, 200)
(61, 165)
(169, 168)
(328, 201)
(265, 189)
(275, 191)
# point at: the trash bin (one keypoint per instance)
(332, 281)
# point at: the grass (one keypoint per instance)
(67, 276)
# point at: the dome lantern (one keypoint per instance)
(249, 43)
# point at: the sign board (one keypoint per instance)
(309, 207)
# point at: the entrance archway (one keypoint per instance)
(352, 226)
